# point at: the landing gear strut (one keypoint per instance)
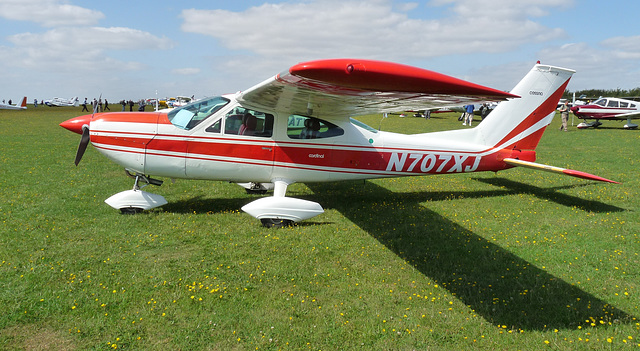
(279, 211)
(135, 200)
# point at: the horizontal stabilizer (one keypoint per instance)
(542, 167)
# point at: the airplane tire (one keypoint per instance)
(130, 210)
(256, 191)
(276, 223)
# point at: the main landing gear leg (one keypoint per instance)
(279, 190)
(280, 211)
(630, 125)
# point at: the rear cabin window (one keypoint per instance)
(303, 127)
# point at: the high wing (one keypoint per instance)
(342, 88)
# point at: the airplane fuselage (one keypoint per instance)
(153, 144)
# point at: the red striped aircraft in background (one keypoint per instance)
(297, 127)
(608, 109)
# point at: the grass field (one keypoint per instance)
(515, 260)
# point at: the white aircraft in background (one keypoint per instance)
(21, 106)
(59, 102)
(608, 109)
(297, 127)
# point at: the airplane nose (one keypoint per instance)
(75, 124)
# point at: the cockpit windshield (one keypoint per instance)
(601, 102)
(189, 116)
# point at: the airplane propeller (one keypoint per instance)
(80, 125)
(84, 140)
(82, 147)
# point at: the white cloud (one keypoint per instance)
(596, 66)
(78, 48)
(503, 9)
(374, 29)
(624, 47)
(73, 50)
(49, 13)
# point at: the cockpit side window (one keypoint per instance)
(242, 121)
(612, 103)
(189, 116)
(216, 127)
(303, 127)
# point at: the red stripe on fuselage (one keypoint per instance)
(599, 112)
(357, 160)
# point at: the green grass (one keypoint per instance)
(515, 260)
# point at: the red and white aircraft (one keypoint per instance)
(608, 109)
(296, 127)
(21, 106)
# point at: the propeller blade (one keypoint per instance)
(82, 147)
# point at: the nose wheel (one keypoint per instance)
(135, 200)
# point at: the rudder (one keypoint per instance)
(520, 123)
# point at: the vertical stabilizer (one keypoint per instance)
(519, 123)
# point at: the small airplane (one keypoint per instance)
(60, 102)
(21, 106)
(297, 127)
(175, 101)
(608, 108)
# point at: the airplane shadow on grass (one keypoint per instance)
(551, 194)
(501, 287)
(203, 204)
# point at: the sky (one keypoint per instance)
(142, 49)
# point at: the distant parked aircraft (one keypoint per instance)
(58, 102)
(608, 109)
(22, 106)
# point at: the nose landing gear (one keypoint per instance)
(135, 200)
